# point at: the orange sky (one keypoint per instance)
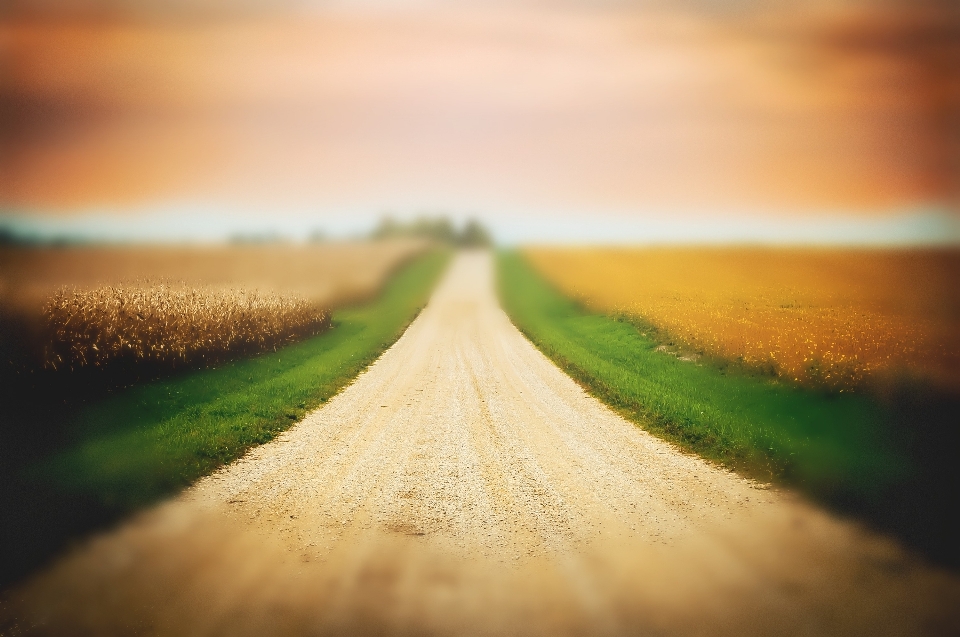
(476, 107)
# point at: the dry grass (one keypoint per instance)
(824, 317)
(184, 305)
(328, 274)
(169, 325)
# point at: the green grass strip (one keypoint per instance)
(153, 439)
(834, 445)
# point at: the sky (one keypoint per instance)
(558, 121)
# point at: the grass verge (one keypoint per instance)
(880, 457)
(126, 450)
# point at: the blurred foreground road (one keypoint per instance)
(464, 485)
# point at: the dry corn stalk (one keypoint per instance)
(171, 325)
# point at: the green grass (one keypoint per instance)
(129, 449)
(836, 445)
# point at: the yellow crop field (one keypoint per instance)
(170, 325)
(817, 316)
(75, 307)
(328, 274)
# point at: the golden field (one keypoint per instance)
(87, 306)
(170, 325)
(817, 316)
(327, 273)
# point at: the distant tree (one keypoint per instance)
(438, 228)
(256, 238)
(474, 235)
(7, 237)
(10, 237)
(388, 227)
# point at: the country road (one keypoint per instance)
(463, 485)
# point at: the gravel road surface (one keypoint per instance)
(463, 485)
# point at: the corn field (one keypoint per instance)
(834, 318)
(170, 325)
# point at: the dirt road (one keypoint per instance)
(464, 485)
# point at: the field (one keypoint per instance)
(77, 462)
(169, 326)
(167, 307)
(834, 318)
(328, 274)
(887, 457)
